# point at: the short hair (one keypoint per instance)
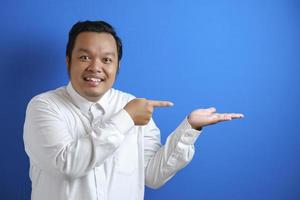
(92, 26)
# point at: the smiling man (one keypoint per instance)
(88, 141)
(95, 61)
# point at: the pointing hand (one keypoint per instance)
(141, 109)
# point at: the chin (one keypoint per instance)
(95, 96)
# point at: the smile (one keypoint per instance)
(92, 79)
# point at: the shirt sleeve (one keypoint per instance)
(163, 161)
(50, 146)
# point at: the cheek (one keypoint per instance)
(73, 72)
(111, 71)
(76, 70)
(75, 76)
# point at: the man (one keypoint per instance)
(88, 141)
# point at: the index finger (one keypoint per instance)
(156, 103)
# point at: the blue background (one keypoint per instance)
(240, 56)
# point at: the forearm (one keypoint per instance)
(84, 154)
(173, 156)
(50, 145)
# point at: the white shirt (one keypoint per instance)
(80, 150)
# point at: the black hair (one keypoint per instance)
(92, 26)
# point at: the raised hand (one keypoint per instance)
(141, 109)
(203, 117)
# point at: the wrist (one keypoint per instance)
(196, 127)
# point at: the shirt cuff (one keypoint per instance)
(189, 135)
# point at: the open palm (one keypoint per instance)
(203, 117)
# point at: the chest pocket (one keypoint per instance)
(126, 157)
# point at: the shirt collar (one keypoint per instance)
(83, 104)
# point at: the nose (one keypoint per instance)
(95, 66)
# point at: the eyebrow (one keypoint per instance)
(88, 51)
(111, 53)
(83, 50)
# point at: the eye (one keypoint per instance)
(84, 58)
(107, 60)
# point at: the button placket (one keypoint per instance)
(96, 116)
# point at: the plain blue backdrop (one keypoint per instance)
(239, 56)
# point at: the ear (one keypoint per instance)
(118, 69)
(68, 62)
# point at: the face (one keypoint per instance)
(93, 65)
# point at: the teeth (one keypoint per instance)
(93, 79)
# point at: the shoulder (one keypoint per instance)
(120, 95)
(50, 98)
